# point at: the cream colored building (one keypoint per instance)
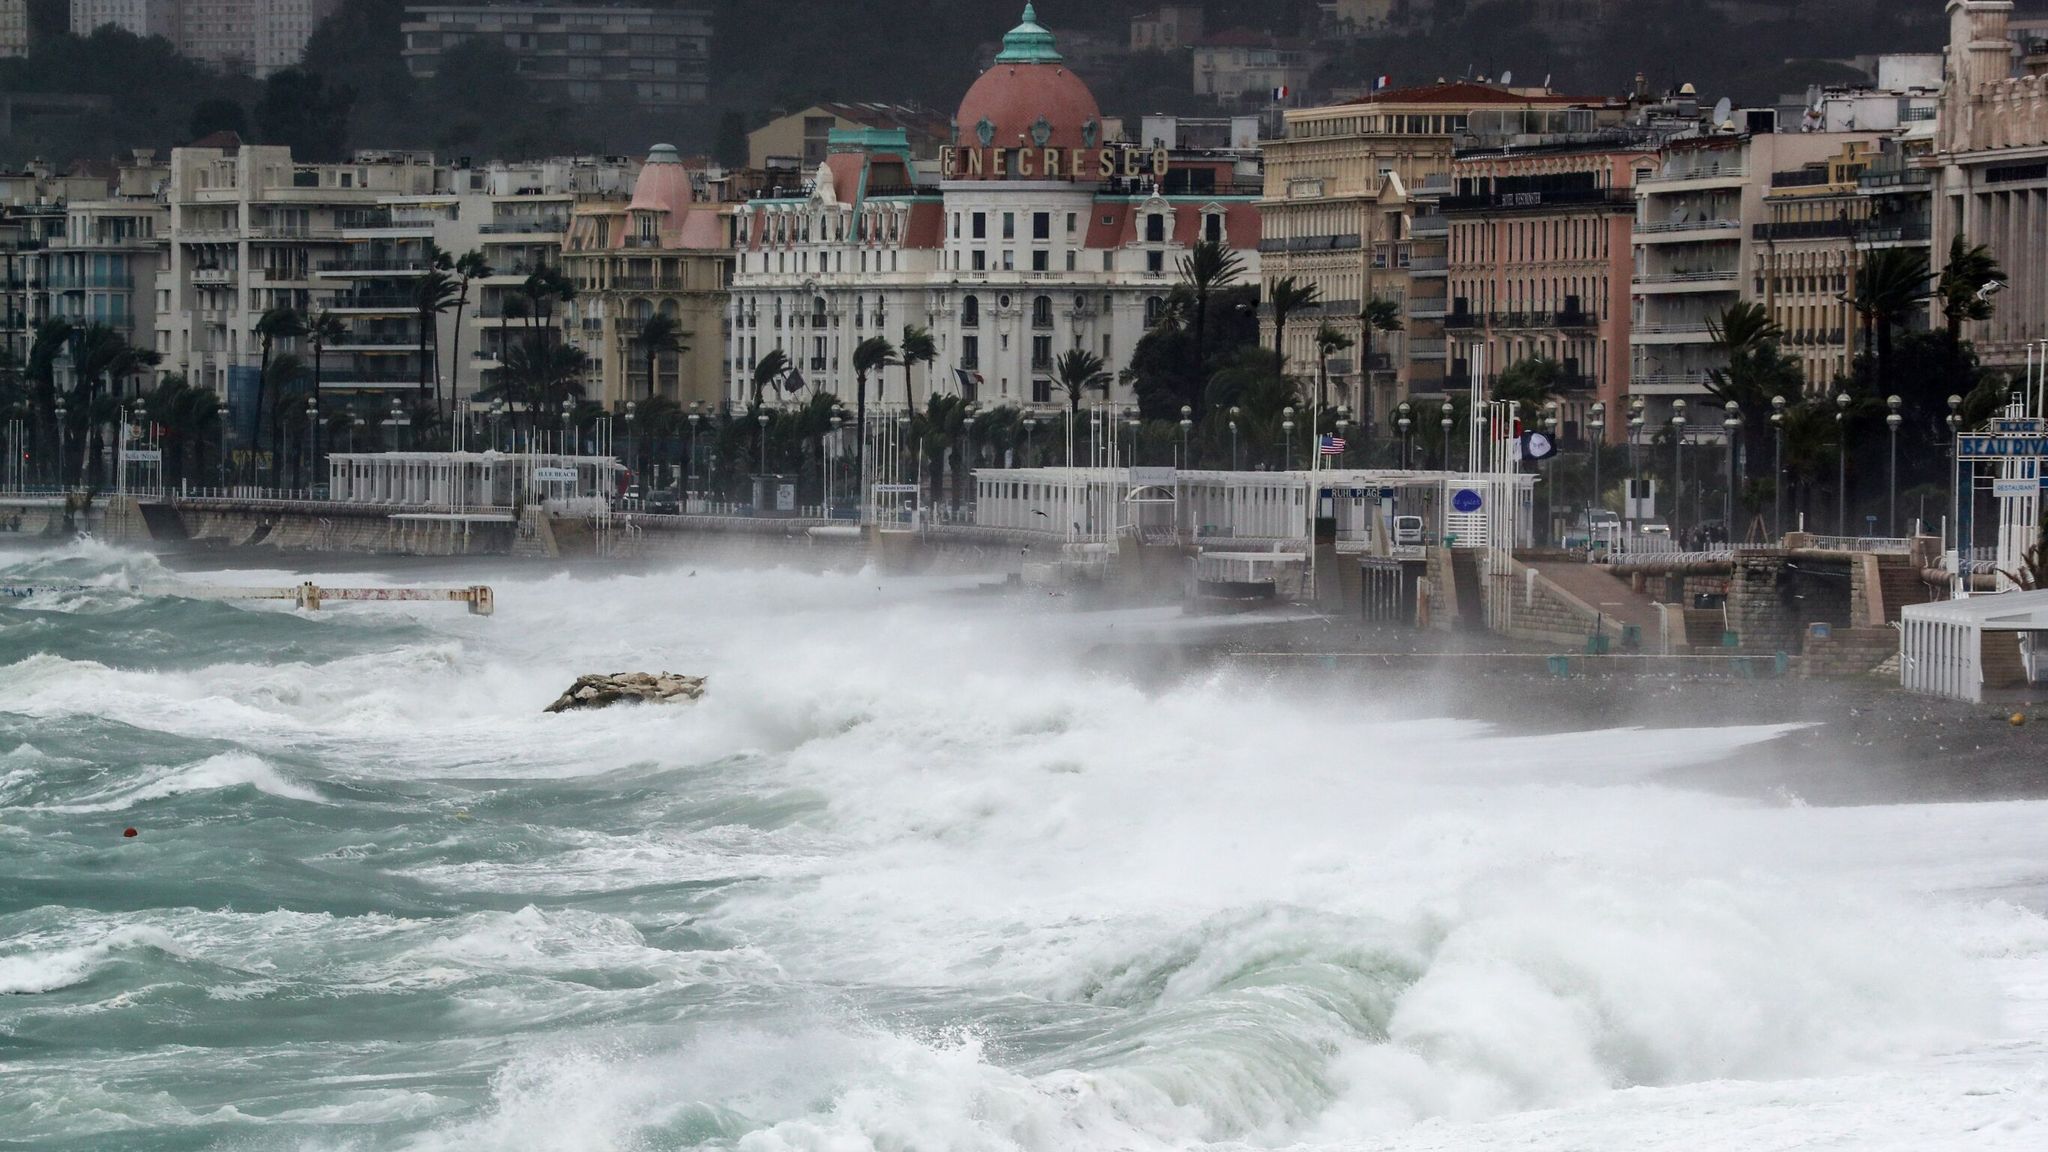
(1807, 253)
(141, 17)
(1991, 157)
(665, 253)
(1349, 207)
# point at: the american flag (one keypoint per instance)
(1332, 445)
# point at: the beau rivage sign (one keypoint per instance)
(956, 163)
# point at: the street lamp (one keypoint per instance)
(761, 461)
(1187, 424)
(1677, 456)
(1635, 435)
(1233, 437)
(694, 418)
(1596, 428)
(312, 443)
(1892, 421)
(1030, 423)
(1955, 467)
(568, 422)
(1842, 463)
(1287, 431)
(1778, 467)
(1401, 422)
(631, 459)
(60, 443)
(1733, 424)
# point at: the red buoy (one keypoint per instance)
(128, 832)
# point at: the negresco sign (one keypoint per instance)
(957, 163)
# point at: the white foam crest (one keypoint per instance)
(32, 972)
(223, 770)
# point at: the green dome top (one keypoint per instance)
(1028, 43)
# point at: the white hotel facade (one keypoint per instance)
(1022, 249)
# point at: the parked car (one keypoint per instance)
(1407, 531)
(1655, 528)
(663, 504)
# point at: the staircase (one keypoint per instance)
(1465, 579)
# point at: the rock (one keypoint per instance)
(602, 691)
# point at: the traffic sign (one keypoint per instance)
(2015, 487)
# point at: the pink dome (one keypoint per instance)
(1028, 99)
(664, 184)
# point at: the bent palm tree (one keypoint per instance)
(1890, 287)
(1287, 298)
(659, 335)
(275, 324)
(469, 266)
(870, 355)
(769, 370)
(918, 348)
(1329, 342)
(1969, 269)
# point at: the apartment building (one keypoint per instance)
(82, 247)
(666, 252)
(1540, 261)
(1167, 28)
(1807, 251)
(1699, 249)
(142, 17)
(13, 28)
(639, 56)
(1239, 66)
(1350, 206)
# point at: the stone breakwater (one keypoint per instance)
(602, 690)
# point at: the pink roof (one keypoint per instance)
(664, 184)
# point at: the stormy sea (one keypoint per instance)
(926, 871)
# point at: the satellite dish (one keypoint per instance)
(1722, 110)
(1813, 96)
(1507, 78)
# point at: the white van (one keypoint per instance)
(1407, 531)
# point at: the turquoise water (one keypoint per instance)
(922, 872)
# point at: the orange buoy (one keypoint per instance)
(130, 832)
(2017, 719)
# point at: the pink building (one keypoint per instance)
(1540, 264)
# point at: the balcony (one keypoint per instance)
(1675, 332)
(1432, 225)
(1718, 276)
(554, 224)
(371, 302)
(213, 276)
(1671, 227)
(1801, 178)
(1428, 265)
(1496, 202)
(1462, 320)
(1426, 309)
(1730, 170)
(648, 283)
(1808, 230)
(379, 265)
(1335, 243)
(1426, 349)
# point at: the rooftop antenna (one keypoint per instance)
(1722, 110)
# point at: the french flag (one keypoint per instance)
(1382, 83)
(1281, 94)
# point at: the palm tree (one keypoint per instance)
(1528, 383)
(1076, 372)
(1207, 267)
(1289, 297)
(659, 334)
(918, 348)
(51, 338)
(870, 355)
(285, 371)
(1329, 342)
(322, 328)
(275, 324)
(1969, 269)
(769, 370)
(1378, 316)
(432, 295)
(1890, 287)
(102, 358)
(469, 266)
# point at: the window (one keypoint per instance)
(1041, 225)
(970, 312)
(1155, 228)
(1155, 261)
(1009, 225)
(980, 226)
(1154, 308)
(1041, 261)
(1070, 260)
(970, 350)
(1041, 391)
(979, 261)
(1009, 260)
(1041, 312)
(1212, 227)
(1073, 221)
(1041, 352)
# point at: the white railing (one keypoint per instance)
(1887, 544)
